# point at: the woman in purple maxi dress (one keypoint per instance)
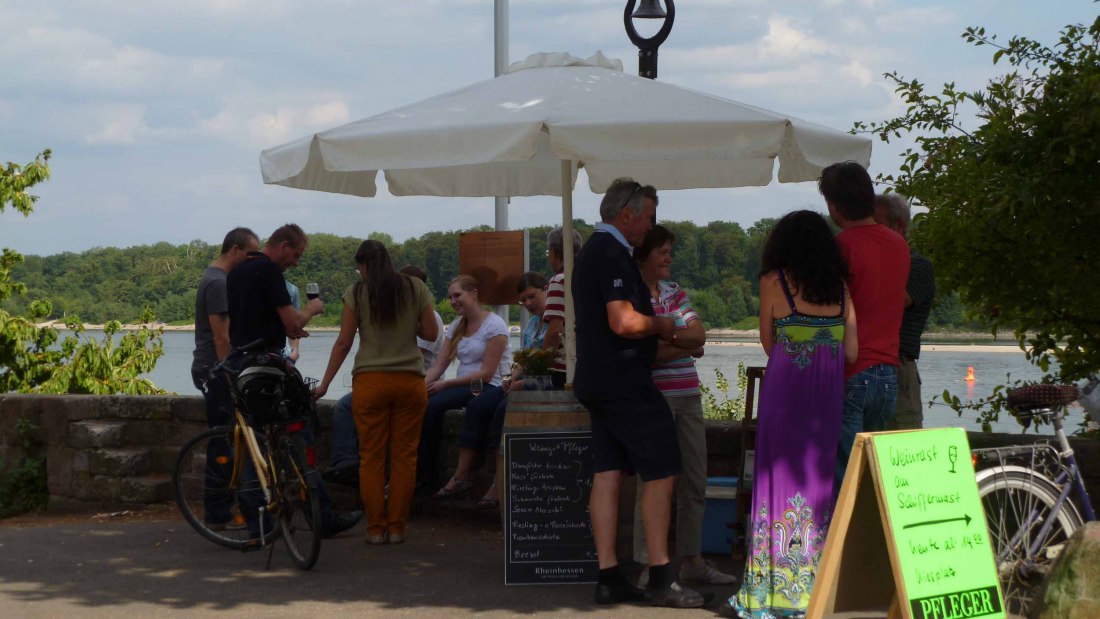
(807, 327)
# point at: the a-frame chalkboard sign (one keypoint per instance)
(909, 533)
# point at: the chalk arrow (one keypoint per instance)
(929, 522)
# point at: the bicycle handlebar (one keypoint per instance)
(233, 355)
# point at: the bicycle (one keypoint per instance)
(269, 473)
(1026, 496)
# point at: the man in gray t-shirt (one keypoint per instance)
(212, 323)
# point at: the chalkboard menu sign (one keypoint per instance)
(548, 534)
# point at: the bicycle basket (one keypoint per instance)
(1030, 397)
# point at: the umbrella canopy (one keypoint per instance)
(507, 136)
(528, 131)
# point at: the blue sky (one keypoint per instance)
(157, 110)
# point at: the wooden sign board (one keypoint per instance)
(909, 532)
(496, 260)
(547, 530)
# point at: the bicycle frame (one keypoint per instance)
(1068, 479)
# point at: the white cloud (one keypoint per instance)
(122, 124)
(911, 20)
(78, 60)
(785, 42)
(286, 123)
(325, 114)
(249, 119)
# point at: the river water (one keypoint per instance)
(941, 366)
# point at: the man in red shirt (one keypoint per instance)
(878, 266)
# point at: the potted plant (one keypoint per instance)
(534, 364)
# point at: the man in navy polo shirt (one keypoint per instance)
(260, 308)
(632, 427)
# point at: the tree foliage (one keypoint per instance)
(1011, 196)
(33, 358)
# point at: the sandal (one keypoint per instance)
(460, 486)
(490, 500)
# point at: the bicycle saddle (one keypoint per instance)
(1031, 397)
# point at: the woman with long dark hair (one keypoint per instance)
(389, 310)
(808, 330)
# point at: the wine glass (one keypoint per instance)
(313, 290)
(476, 386)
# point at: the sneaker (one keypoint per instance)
(673, 595)
(396, 537)
(643, 578)
(338, 523)
(708, 574)
(622, 592)
(376, 538)
(236, 523)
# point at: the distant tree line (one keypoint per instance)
(718, 263)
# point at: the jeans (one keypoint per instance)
(431, 434)
(869, 400)
(345, 438)
(481, 421)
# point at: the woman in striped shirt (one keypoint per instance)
(674, 374)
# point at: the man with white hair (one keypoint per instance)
(892, 211)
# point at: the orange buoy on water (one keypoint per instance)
(970, 374)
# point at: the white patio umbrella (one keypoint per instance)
(527, 132)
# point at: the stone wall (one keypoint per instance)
(111, 452)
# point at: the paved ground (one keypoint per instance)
(154, 565)
(151, 564)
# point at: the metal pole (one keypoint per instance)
(567, 249)
(500, 37)
(500, 63)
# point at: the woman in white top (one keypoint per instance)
(479, 339)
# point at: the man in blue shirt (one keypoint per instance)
(632, 426)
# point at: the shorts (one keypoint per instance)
(636, 434)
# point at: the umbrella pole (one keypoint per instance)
(567, 249)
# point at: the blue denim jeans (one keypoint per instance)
(431, 433)
(869, 399)
(345, 437)
(479, 427)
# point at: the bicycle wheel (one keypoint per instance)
(299, 502)
(1017, 502)
(208, 484)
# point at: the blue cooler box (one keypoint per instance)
(720, 513)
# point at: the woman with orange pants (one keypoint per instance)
(389, 310)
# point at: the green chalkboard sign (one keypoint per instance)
(927, 484)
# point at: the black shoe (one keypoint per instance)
(727, 611)
(622, 592)
(338, 523)
(344, 476)
(674, 595)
